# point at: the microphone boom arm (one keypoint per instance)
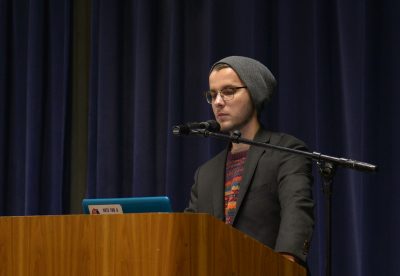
(316, 156)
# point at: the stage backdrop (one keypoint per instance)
(89, 93)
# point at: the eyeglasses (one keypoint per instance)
(226, 93)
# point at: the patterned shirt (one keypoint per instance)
(233, 177)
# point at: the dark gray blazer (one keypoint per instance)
(274, 204)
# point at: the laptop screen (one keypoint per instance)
(126, 205)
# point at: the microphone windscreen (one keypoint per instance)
(213, 126)
(181, 130)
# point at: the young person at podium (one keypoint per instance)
(264, 193)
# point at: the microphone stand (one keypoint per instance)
(327, 167)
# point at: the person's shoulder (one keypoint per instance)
(286, 140)
(216, 159)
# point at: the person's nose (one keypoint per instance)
(219, 100)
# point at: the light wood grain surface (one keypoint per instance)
(133, 244)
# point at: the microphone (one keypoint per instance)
(187, 128)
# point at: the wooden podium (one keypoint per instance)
(133, 244)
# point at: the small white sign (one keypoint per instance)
(105, 209)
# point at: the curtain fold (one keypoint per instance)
(34, 87)
(79, 105)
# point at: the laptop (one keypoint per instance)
(126, 205)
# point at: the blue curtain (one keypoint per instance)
(34, 85)
(336, 63)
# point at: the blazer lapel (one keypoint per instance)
(218, 185)
(250, 166)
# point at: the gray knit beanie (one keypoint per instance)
(259, 80)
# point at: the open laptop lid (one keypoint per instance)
(126, 205)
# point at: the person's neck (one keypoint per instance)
(248, 132)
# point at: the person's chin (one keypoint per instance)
(226, 126)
